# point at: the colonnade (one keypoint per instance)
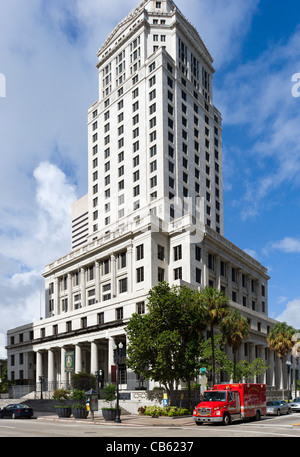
(89, 356)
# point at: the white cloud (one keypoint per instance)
(256, 96)
(222, 25)
(252, 253)
(43, 238)
(288, 245)
(291, 314)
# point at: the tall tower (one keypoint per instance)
(154, 207)
(155, 138)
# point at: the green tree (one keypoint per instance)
(247, 371)
(83, 381)
(163, 344)
(235, 328)
(221, 359)
(280, 341)
(215, 307)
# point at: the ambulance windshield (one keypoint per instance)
(214, 396)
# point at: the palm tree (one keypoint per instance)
(216, 308)
(235, 328)
(280, 341)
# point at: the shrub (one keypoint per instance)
(83, 381)
(169, 411)
(109, 393)
(61, 395)
(78, 396)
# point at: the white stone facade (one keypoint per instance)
(154, 208)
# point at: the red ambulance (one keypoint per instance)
(230, 402)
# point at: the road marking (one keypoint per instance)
(266, 433)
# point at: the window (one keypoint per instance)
(122, 260)
(106, 267)
(160, 274)
(160, 252)
(153, 181)
(119, 313)
(84, 322)
(68, 326)
(123, 285)
(198, 253)
(177, 250)
(198, 275)
(140, 274)
(100, 317)
(178, 273)
(140, 307)
(140, 252)
(91, 297)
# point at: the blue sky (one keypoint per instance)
(48, 55)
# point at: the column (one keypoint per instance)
(78, 359)
(56, 297)
(97, 282)
(51, 370)
(94, 357)
(111, 343)
(271, 371)
(258, 296)
(113, 276)
(229, 280)
(218, 272)
(39, 366)
(205, 268)
(63, 374)
(129, 266)
(69, 287)
(82, 287)
(240, 286)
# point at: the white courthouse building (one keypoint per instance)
(153, 211)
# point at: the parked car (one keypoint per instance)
(16, 410)
(295, 405)
(278, 407)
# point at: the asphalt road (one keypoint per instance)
(177, 431)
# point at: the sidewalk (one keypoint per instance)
(133, 420)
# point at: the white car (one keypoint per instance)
(295, 405)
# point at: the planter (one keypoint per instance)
(64, 412)
(80, 413)
(109, 414)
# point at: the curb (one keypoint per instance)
(127, 422)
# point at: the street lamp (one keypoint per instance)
(41, 379)
(99, 374)
(118, 357)
(288, 366)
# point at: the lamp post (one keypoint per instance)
(99, 374)
(118, 357)
(41, 379)
(288, 366)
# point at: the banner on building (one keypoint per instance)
(70, 362)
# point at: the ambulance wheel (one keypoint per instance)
(257, 416)
(226, 419)
(199, 423)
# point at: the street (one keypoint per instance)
(176, 430)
